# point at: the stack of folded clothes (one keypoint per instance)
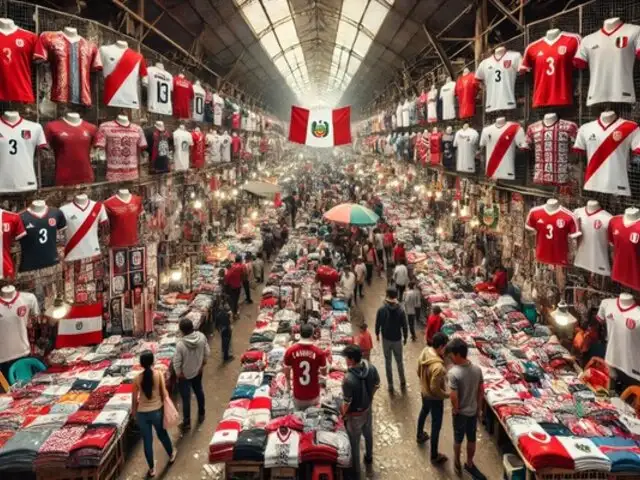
(54, 452)
(91, 447)
(21, 450)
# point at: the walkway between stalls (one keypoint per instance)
(396, 454)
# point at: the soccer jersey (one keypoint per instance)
(226, 148)
(406, 108)
(182, 96)
(14, 317)
(593, 247)
(198, 149)
(198, 103)
(38, 246)
(552, 65)
(607, 149)
(182, 142)
(72, 61)
(159, 148)
(610, 57)
(82, 229)
(123, 220)
(18, 144)
(499, 77)
(71, 145)
(432, 106)
(466, 144)
(625, 239)
(435, 148)
(553, 230)
(122, 144)
(12, 229)
(214, 145)
(551, 147)
(623, 332)
(501, 142)
(467, 87)
(399, 115)
(218, 107)
(305, 360)
(448, 153)
(159, 91)
(122, 68)
(447, 96)
(17, 52)
(545, 451)
(585, 454)
(283, 448)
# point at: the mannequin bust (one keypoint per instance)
(122, 44)
(608, 117)
(449, 79)
(499, 52)
(234, 134)
(549, 119)
(225, 133)
(611, 24)
(449, 130)
(197, 129)
(160, 65)
(72, 118)
(181, 75)
(465, 126)
(7, 26)
(435, 130)
(8, 292)
(501, 121)
(466, 71)
(38, 206)
(11, 117)
(552, 34)
(159, 125)
(124, 195)
(71, 33)
(425, 132)
(592, 206)
(552, 205)
(82, 200)
(433, 88)
(182, 127)
(123, 120)
(197, 83)
(625, 299)
(631, 215)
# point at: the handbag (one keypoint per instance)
(170, 415)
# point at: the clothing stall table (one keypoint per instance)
(253, 470)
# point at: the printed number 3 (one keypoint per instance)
(498, 76)
(551, 68)
(305, 378)
(549, 234)
(7, 53)
(13, 144)
(44, 236)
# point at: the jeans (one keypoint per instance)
(400, 289)
(393, 348)
(411, 320)
(436, 408)
(357, 426)
(234, 297)
(147, 421)
(369, 272)
(185, 386)
(247, 291)
(225, 336)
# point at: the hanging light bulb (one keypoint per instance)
(234, 192)
(439, 231)
(58, 310)
(438, 195)
(454, 204)
(197, 204)
(254, 215)
(176, 275)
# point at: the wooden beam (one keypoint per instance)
(153, 24)
(439, 50)
(507, 13)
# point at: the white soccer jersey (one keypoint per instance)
(225, 147)
(607, 148)
(18, 144)
(218, 107)
(623, 331)
(182, 142)
(447, 96)
(399, 115)
(82, 229)
(501, 145)
(593, 248)
(198, 102)
(214, 143)
(159, 91)
(432, 106)
(499, 78)
(466, 143)
(283, 448)
(610, 57)
(122, 69)
(14, 316)
(406, 109)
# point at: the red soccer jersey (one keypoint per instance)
(12, 229)
(18, 50)
(467, 87)
(72, 146)
(435, 148)
(305, 360)
(236, 144)
(182, 97)
(123, 220)
(552, 65)
(626, 251)
(197, 149)
(553, 231)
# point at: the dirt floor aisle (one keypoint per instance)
(396, 454)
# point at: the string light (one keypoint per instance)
(176, 275)
(197, 204)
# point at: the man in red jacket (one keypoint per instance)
(233, 282)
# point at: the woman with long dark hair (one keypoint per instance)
(149, 391)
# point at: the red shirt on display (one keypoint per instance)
(182, 96)
(72, 147)
(327, 276)
(626, 251)
(197, 149)
(435, 148)
(235, 275)
(18, 51)
(306, 360)
(12, 229)
(434, 324)
(235, 120)
(553, 230)
(236, 144)
(467, 87)
(122, 144)
(123, 220)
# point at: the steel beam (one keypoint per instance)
(439, 50)
(507, 13)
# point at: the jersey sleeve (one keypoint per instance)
(96, 63)
(33, 305)
(602, 312)
(143, 68)
(530, 222)
(41, 51)
(581, 60)
(574, 227)
(102, 216)
(286, 361)
(573, 131)
(517, 61)
(483, 138)
(580, 145)
(521, 139)
(527, 63)
(635, 141)
(101, 137)
(18, 228)
(142, 139)
(480, 74)
(455, 138)
(61, 221)
(41, 140)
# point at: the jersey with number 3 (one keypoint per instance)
(552, 65)
(499, 78)
(553, 230)
(18, 144)
(159, 91)
(305, 360)
(39, 245)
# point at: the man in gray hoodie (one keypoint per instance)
(192, 353)
(391, 321)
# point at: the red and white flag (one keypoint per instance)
(320, 127)
(82, 326)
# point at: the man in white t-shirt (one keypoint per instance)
(361, 271)
(401, 278)
(348, 283)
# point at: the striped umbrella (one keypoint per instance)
(351, 214)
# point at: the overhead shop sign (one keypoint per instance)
(320, 127)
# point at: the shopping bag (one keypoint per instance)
(170, 416)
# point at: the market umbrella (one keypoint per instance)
(262, 189)
(351, 214)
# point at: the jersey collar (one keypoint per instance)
(11, 125)
(592, 213)
(80, 207)
(624, 309)
(39, 215)
(8, 303)
(606, 127)
(498, 59)
(608, 34)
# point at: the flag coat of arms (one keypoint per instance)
(320, 127)
(82, 326)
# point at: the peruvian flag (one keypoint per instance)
(320, 127)
(82, 326)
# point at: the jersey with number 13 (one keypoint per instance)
(305, 360)
(159, 91)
